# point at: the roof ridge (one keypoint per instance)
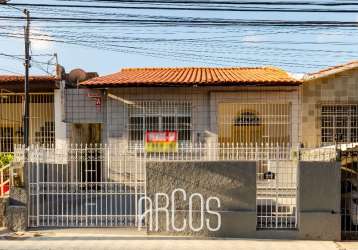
(331, 70)
(194, 67)
(48, 76)
(186, 76)
(334, 67)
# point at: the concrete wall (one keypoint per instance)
(80, 107)
(234, 183)
(337, 89)
(60, 126)
(4, 203)
(16, 212)
(319, 200)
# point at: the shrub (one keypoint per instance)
(5, 158)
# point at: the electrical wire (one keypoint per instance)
(200, 8)
(211, 50)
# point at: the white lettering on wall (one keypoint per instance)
(195, 213)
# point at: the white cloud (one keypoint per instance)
(329, 37)
(298, 76)
(40, 40)
(251, 38)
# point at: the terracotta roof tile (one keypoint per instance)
(331, 71)
(15, 83)
(20, 79)
(194, 76)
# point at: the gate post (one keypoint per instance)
(85, 182)
(37, 187)
(319, 200)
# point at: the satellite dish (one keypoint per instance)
(77, 75)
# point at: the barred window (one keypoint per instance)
(42, 126)
(160, 116)
(247, 119)
(339, 124)
(254, 122)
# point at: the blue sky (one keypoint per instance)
(111, 47)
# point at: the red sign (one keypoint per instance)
(161, 141)
(162, 136)
(97, 99)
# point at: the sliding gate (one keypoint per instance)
(94, 186)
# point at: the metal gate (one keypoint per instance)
(84, 186)
(276, 191)
(349, 193)
(99, 186)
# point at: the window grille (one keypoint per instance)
(160, 116)
(42, 128)
(254, 123)
(339, 124)
(247, 119)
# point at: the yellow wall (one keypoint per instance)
(11, 117)
(273, 127)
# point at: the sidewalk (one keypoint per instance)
(129, 240)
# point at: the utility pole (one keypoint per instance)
(26, 87)
(26, 115)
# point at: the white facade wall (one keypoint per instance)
(60, 126)
(81, 107)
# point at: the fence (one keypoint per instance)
(349, 191)
(347, 155)
(4, 180)
(81, 187)
(184, 152)
(318, 154)
(326, 153)
(100, 185)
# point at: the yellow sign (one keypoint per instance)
(161, 141)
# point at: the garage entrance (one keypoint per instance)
(349, 193)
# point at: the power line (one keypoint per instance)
(221, 42)
(107, 43)
(178, 55)
(207, 40)
(10, 71)
(242, 9)
(233, 2)
(22, 59)
(194, 22)
(74, 38)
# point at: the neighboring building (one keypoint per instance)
(42, 115)
(46, 102)
(330, 106)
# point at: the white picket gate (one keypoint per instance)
(84, 187)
